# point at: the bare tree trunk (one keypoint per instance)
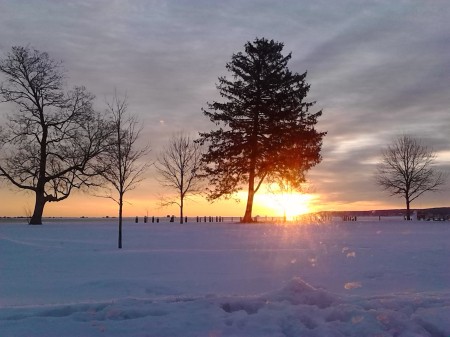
(408, 210)
(36, 218)
(120, 221)
(181, 207)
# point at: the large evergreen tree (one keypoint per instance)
(266, 129)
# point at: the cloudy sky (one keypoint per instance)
(377, 69)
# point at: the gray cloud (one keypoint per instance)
(376, 68)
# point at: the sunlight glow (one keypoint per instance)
(290, 205)
(443, 156)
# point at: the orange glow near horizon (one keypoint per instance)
(140, 204)
(285, 204)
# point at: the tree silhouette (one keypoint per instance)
(266, 129)
(406, 170)
(179, 166)
(52, 140)
(123, 165)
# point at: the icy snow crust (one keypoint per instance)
(365, 278)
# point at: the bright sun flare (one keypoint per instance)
(287, 204)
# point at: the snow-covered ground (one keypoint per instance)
(365, 278)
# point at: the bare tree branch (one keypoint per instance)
(50, 143)
(179, 166)
(123, 166)
(407, 170)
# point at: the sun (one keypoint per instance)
(294, 204)
(289, 205)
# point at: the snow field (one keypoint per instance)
(366, 278)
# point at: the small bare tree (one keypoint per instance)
(179, 166)
(407, 170)
(52, 140)
(123, 166)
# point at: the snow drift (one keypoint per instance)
(360, 279)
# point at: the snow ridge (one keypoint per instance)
(298, 309)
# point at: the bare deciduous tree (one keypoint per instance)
(407, 170)
(179, 166)
(123, 166)
(51, 141)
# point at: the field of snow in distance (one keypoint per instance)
(364, 278)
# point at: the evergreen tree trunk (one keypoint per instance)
(251, 193)
(248, 209)
(251, 176)
(36, 218)
(120, 221)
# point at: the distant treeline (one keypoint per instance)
(388, 212)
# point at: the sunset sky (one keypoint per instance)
(377, 69)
